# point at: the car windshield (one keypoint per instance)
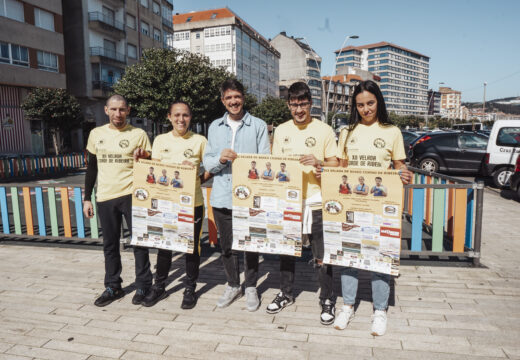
(509, 136)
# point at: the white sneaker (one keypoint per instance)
(379, 323)
(252, 300)
(343, 318)
(230, 294)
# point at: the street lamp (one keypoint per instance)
(333, 71)
(426, 114)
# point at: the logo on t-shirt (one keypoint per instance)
(124, 144)
(165, 150)
(287, 140)
(188, 153)
(379, 143)
(310, 141)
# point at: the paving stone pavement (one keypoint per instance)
(436, 311)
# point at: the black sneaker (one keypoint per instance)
(156, 294)
(108, 296)
(139, 296)
(189, 300)
(280, 301)
(328, 311)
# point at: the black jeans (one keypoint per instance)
(164, 257)
(287, 263)
(224, 221)
(110, 215)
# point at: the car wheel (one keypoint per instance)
(502, 177)
(429, 165)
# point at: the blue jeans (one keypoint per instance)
(380, 288)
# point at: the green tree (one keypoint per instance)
(164, 76)
(272, 110)
(59, 111)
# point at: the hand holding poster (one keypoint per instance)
(267, 204)
(362, 218)
(163, 198)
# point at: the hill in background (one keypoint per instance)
(509, 105)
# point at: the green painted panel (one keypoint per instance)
(16, 211)
(439, 199)
(94, 231)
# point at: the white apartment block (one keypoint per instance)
(451, 103)
(404, 74)
(230, 42)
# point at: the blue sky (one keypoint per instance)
(469, 41)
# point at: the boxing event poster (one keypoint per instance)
(362, 218)
(267, 204)
(163, 203)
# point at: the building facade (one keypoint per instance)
(299, 62)
(338, 95)
(450, 103)
(102, 37)
(31, 55)
(434, 102)
(231, 43)
(404, 74)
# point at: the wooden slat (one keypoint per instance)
(439, 201)
(459, 223)
(417, 219)
(469, 219)
(78, 205)
(65, 211)
(451, 207)
(16, 211)
(27, 205)
(40, 211)
(3, 209)
(428, 216)
(51, 194)
(94, 229)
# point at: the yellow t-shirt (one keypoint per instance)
(114, 150)
(173, 149)
(373, 146)
(316, 138)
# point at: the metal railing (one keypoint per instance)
(167, 22)
(107, 20)
(108, 53)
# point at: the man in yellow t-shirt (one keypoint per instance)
(315, 143)
(111, 149)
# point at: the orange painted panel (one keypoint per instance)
(459, 235)
(28, 210)
(65, 210)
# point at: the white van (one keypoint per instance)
(502, 150)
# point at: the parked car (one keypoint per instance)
(515, 178)
(502, 151)
(460, 152)
(408, 137)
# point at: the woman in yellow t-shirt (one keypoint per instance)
(370, 142)
(180, 146)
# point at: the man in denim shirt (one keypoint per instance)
(236, 132)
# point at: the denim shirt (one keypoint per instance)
(251, 138)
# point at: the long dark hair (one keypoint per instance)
(373, 88)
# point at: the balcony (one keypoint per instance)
(101, 88)
(99, 53)
(105, 24)
(167, 22)
(116, 4)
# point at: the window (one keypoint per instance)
(189, 19)
(156, 34)
(12, 9)
(110, 48)
(19, 55)
(197, 35)
(509, 136)
(472, 141)
(144, 3)
(109, 16)
(43, 19)
(132, 51)
(156, 8)
(145, 29)
(214, 15)
(130, 21)
(47, 61)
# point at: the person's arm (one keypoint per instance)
(383, 190)
(404, 173)
(373, 189)
(215, 160)
(90, 181)
(264, 146)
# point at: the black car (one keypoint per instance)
(408, 137)
(460, 152)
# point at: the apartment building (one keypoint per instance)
(299, 62)
(102, 37)
(31, 55)
(337, 90)
(450, 103)
(229, 42)
(434, 102)
(404, 73)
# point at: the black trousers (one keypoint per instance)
(287, 263)
(164, 257)
(110, 215)
(224, 222)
